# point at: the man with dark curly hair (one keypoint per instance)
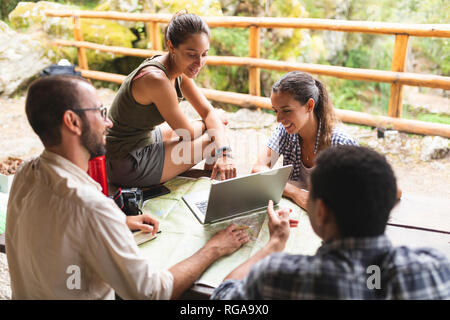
(352, 192)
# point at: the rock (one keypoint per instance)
(437, 165)
(21, 58)
(131, 6)
(119, 5)
(434, 148)
(392, 142)
(242, 119)
(107, 32)
(246, 118)
(391, 135)
(5, 281)
(29, 15)
(372, 144)
(433, 101)
(200, 7)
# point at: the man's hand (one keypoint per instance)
(228, 240)
(222, 243)
(144, 222)
(225, 166)
(279, 227)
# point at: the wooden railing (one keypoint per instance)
(397, 77)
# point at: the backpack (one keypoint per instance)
(56, 69)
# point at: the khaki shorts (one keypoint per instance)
(141, 167)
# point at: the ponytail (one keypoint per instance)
(325, 113)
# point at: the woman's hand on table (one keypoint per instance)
(225, 167)
(299, 196)
(144, 222)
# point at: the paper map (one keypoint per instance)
(182, 235)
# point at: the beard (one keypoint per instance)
(92, 142)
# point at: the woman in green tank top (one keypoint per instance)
(152, 140)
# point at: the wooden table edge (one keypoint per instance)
(2, 243)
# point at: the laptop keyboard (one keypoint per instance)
(202, 205)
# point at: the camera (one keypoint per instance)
(129, 200)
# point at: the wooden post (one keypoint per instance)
(147, 7)
(398, 65)
(78, 35)
(254, 73)
(156, 38)
(149, 32)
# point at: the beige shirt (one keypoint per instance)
(66, 240)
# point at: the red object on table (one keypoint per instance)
(97, 171)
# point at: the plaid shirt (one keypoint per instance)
(289, 146)
(340, 270)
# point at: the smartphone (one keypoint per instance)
(154, 191)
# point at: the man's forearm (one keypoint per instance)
(186, 272)
(243, 270)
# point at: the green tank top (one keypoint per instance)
(133, 122)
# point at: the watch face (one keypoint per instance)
(223, 149)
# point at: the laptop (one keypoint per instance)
(238, 196)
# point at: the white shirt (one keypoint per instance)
(66, 240)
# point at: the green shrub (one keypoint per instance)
(227, 42)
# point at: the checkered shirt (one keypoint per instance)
(340, 270)
(289, 146)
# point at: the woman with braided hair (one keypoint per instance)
(307, 126)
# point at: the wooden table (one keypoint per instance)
(422, 213)
(416, 221)
(421, 221)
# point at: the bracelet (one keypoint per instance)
(223, 150)
(204, 123)
(227, 155)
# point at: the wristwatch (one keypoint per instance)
(224, 151)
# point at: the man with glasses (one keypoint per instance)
(64, 238)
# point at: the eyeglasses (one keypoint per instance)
(103, 110)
